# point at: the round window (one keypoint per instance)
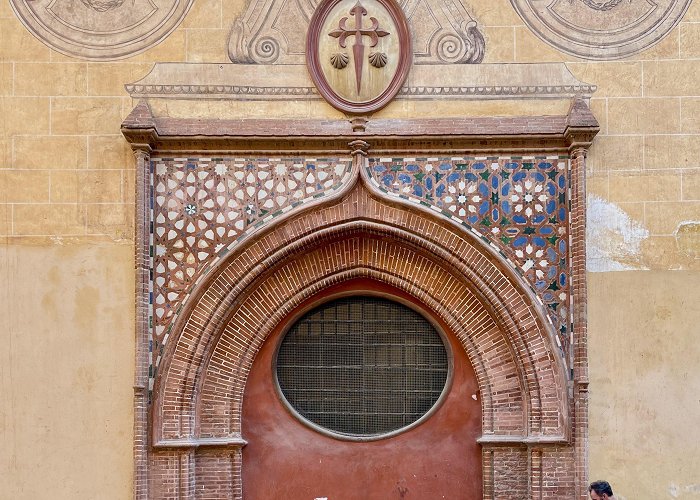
(362, 367)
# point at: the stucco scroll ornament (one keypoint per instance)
(271, 32)
(601, 29)
(444, 32)
(467, 46)
(101, 29)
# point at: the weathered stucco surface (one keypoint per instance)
(613, 240)
(66, 371)
(645, 388)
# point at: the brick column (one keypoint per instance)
(188, 462)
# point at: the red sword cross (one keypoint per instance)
(358, 49)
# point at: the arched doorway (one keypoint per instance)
(437, 458)
(199, 395)
(373, 213)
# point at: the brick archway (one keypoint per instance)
(196, 420)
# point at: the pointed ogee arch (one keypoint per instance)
(200, 386)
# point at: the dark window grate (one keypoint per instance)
(362, 366)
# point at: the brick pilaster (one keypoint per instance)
(142, 263)
(579, 317)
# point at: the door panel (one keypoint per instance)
(286, 459)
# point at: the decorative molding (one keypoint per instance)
(538, 91)
(101, 29)
(220, 90)
(443, 31)
(229, 442)
(495, 439)
(251, 82)
(601, 29)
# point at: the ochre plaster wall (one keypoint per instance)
(644, 383)
(66, 370)
(66, 224)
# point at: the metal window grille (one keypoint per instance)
(362, 366)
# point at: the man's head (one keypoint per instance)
(600, 490)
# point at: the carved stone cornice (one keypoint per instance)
(251, 82)
(478, 134)
(141, 140)
(581, 127)
(139, 127)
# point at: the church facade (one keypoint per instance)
(346, 249)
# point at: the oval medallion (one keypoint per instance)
(358, 53)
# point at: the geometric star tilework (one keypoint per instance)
(520, 205)
(202, 206)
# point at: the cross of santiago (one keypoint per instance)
(358, 49)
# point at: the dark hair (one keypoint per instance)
(601, 487)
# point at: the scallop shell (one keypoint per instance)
(339, 60)
(378, 59)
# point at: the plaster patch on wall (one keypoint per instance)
(675, 490)
(687, 236)
(613, 239)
